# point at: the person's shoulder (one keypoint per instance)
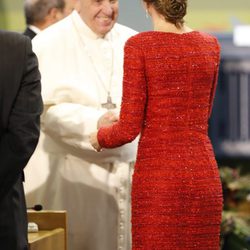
(211, 41)
(124, 28)
(208, 37)
(139, 38)
(11, 36)
(124, 31)
(53, 34)
(12, 40)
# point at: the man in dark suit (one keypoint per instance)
(39, 14)
(20, 109)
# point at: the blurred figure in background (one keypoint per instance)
(69, 7)
(39, 14)
(81, 59)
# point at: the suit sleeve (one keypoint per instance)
(21, 136)
(133, 101)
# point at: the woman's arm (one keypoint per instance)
(133, 100)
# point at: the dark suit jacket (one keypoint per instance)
(20, 109)
(30, 33)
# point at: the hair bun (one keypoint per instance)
(177, 9)
(172, 10)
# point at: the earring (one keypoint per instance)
(147, 15)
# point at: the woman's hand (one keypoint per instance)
(94, 141)
(107, 119)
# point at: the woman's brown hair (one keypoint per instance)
(172, 10)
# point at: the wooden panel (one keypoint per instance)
(48, 220)
(47, 240)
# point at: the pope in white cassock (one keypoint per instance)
(81, 62)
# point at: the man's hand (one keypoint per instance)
(107, 119)
(94, 141)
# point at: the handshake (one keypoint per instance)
(105, 120)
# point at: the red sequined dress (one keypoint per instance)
(168, 89)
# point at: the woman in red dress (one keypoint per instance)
(170, 77)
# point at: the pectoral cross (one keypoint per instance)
(109, 104)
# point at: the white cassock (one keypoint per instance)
(78, 70)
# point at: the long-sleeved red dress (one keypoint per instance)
(168, 89)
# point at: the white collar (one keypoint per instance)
(34, 29)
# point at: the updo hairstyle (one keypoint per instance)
(172, 10)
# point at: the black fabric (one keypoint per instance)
(20, 109)
(13, 219)
(29, 33)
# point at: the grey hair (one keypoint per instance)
(36, 10)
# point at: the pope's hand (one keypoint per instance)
(107, 119)
(94, 141)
